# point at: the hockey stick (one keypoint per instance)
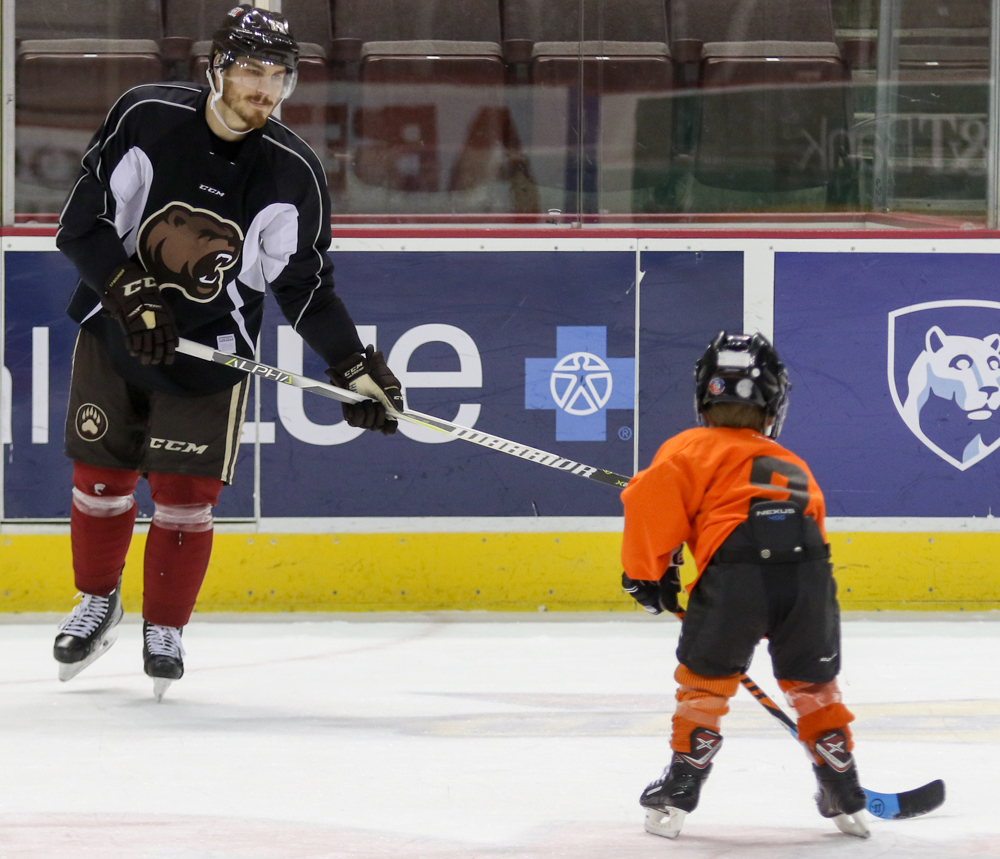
(494, 442)
(889, 806)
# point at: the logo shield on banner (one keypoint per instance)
(944, 376)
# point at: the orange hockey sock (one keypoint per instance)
(701, 703)
(819, 708)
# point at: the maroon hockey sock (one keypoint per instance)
(102, 516)
(175, 566)
(178, 546)
(99, 547)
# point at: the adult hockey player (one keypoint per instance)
(190, 201)
(752, 516)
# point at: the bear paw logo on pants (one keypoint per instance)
(944, 376)
(91, 422)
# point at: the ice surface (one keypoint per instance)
(448, 738)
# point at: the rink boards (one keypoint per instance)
(584, 347)
(562, 571)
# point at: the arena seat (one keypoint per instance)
(944, 38)
(74, 59)
(941, 128)
(937, 38)
(611, 58)
(623, 46)
(72, 83)
(88, 19)
(428, 117)
(771, 114)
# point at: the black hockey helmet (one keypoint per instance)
(257, 33)
(743, 368)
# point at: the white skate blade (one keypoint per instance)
(160, 686)
(69, 670)
(666, 824)
(852, 824)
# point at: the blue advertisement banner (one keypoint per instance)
(462, 330)
(38, 353)
(687, 298)
(895, 365)
(537, 347)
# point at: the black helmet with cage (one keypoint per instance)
(743, 368)
(259, 34)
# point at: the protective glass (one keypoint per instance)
(263, 76)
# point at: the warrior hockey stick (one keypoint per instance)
(889, 806)
(495, 442)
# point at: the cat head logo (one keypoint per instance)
(91, 422)
(189, 249)
(944, 376)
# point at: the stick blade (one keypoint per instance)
(909, 803)
(913, 803)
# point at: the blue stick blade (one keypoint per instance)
(884, 805)
(910, 803)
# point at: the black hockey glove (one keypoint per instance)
(644, 592)
(367, 374)
(132, 296)
(661, 596)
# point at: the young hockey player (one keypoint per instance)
(190, 202)
(752, 516)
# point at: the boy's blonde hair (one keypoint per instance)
(735, 415)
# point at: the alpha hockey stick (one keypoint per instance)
(494, 442)
(888, 806)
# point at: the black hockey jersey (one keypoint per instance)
(214, 222)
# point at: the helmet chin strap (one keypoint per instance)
(216, 95)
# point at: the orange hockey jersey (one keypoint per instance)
(699, 488)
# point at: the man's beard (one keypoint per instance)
(254, 116)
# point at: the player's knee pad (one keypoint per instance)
(183, 517)
(103, 482)
(183, 489)
(819, 707)
(183, 502)
(807, 698)
(103, 492)
(103, 506)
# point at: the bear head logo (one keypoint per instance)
(189, 249)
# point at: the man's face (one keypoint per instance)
(252, 89)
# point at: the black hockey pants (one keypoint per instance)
(757, 587)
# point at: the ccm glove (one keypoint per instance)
(133, 297)
(367, 374)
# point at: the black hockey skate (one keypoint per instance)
(162, 655)
(87, 632)
(840, 796)
(670, 798)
